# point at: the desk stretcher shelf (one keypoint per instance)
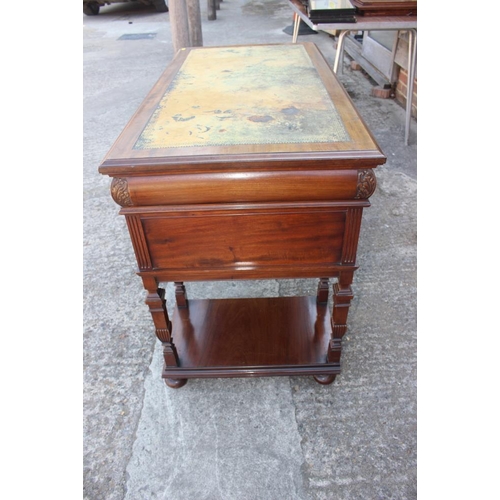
(246, 162)
(251, 338)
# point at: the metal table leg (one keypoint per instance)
(339, 54)
(412, 53)
(296, 25)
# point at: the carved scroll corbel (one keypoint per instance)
(367, 182)
(120, 193)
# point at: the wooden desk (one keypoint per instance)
(367, 23)
(246, 162)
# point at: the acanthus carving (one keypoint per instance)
(367, 182)
(119, 192)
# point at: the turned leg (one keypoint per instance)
(180, 294)
(342, 296)
(322, 298)
(156, 302)
(323, 290)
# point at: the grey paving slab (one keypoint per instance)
(279, 438)
(217, 439)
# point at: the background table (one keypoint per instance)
(367, 23)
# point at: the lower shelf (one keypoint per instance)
(251, 338)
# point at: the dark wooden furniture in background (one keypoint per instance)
(246, 162)
(385, 7)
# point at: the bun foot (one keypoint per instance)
(176, 383)
(324, 379)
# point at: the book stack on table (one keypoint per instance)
(330, 11)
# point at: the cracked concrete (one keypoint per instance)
(268, 438)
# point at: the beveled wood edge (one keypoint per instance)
(256, 273)
(348, 160)
(229, 208)
(251, 371)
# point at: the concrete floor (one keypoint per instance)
(270, 438)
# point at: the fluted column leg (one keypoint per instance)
(157, 304)
(342, 296)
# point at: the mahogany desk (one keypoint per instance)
(246, 162)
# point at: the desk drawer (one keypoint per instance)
(243, 187)
(241, 239)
